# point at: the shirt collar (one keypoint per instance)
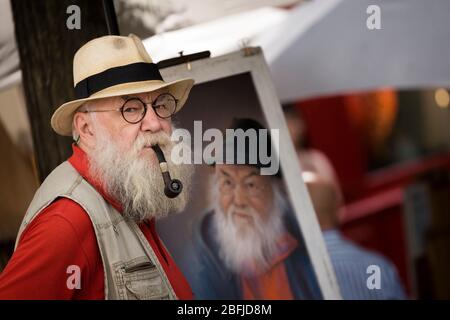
(80, 162)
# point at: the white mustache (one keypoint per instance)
(247, 210)
(150, 139)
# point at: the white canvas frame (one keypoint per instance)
(252, 60)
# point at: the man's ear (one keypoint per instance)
(82, 123)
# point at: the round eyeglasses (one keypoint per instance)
(134, 109)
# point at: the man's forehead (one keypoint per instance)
(237, 171)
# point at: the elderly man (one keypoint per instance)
(89, 232)
(249, 246)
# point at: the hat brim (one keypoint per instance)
(62, 118)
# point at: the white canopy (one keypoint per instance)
(339, 53)
(324, 47)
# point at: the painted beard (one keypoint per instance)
(134, 179)
(247, 250)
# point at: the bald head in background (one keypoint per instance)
(350, 261)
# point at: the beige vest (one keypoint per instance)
(131, 268)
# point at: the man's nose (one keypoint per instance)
(240, 198)
(151, 121)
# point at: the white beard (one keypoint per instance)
(248, 252)
(136, 181)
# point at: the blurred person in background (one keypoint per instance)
(310, 159)
(350, 261)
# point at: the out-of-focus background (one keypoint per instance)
(366, 87)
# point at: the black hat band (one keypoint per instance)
(140, 71)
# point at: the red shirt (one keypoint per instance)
(63, 235)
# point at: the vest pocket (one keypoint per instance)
(140, 280)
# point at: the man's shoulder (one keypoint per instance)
(346, 251)
(64, 174)
(68, 209)
(65, 213)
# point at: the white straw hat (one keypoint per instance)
(113, 66)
